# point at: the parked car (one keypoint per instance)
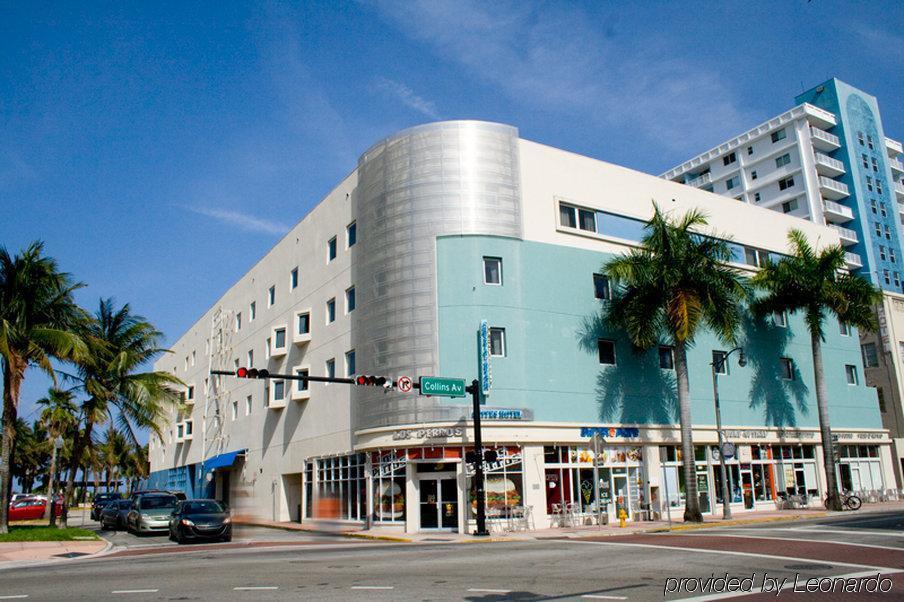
(150, 513)
(101, 500)
(200, 519)
(179, 495)
(19, 496)
(114, 514)
(30, 509)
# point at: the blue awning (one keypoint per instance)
(223, 460)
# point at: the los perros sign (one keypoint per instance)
(443, 387)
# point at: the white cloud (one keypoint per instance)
(407, 97)
(236, 218)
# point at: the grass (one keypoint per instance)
(45, 533)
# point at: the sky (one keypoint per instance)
(159, 149)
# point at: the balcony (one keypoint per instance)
(703, 180)
(853, 260)
(899, 191)
(832, 189)
(823, 140)
(827, 166)
(896, 165)
(893, 147)
(847, 236)
(836, 212)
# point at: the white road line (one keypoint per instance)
(14, 597)
(851, 531)
(489, 591)
(728, 552)
(135, 591)
(833, 541)
(254, 588)
(373, 587)
(602, 597)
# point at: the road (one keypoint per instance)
(634, 567)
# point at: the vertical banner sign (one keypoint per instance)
(486, 374)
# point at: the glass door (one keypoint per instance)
(621, 494)
(448, 496)
(429, 503)
(438, 503)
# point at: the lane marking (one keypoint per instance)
(373, 587)
(602, 597)
(254, 588)
(135, 591)
(732, 553)
(851, 531)
(489, 591)
(833, 541)
(14, 597)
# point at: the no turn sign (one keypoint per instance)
(404, 384)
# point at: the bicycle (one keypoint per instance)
(851, 502)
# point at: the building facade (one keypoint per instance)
(439, 230)
(829, 161)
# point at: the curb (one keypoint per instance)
(377, 537)
(736, 522)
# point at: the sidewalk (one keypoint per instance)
(19, 552)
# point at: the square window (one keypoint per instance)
(252, 311)
(601, 288)
(351, 234)
(331, 249)
(782, 160)
(331, 368)
(568, 216)
(606, 350)
(719, 363)
(293, 279)
(350, 363)
(729, 159)
(588, 220)
(732, 182)
(785, 183)
(666, 357)
(492, 270)
(786, 365)
(350, 300)
(789, 206)
(850, 373)
(779, 135)
(331, 311)
(301, 385)
(279, 338)
(751, 256)
(303, 323)
(497, 342)
(271, 296)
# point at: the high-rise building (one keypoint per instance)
(453, 233)
(828, 160)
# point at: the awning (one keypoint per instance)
(223, 460)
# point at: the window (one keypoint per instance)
(886, 277)
(351, 234)
(350, 363)
(864, 160)
(303, 323)
(268, 348)
(331, 311)
(882, 210)
(601, 289)
(881, 397)
(789, 206)
(732, 182)
(878, 229)
(331, 368)
(350, 300)
(783, 160)
(301, 385)
(897, 278)
(751, 256)
(779, 135)
(193, 358)
(786, 183)
(588, 220)
(492, 270)
(901, 349)
(875, 164)
(882, 253)
(606, 350)
(271, 296)
(749, 150)
(238, 321)
(331, 250)
(850, 373)
(666, 357)
(870, 357)
(869, 183)
(869, 142)
(279, 338)
(235, 409)
(279, 390)
(568, 216)
(887, 233)
(756, 197)
(191, 393)
(250, 358)
(872, 206)
(252, 311)
(248, 405)
(844, 328)
(497, 342)
(878, 186)
(780, 318)
(891, 255)
(753, 175)
(293, 279)
(786, 365)
(719, 363)
(860, 138)
(729, 159)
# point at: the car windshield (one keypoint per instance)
(158, 503)
(202, 508)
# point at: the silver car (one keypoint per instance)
(150, 513)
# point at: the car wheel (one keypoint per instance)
(227, 538)
(179, 538)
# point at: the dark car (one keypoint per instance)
(150, 513)
(101, 500)
(179, 495)
(114, 514)
(200, 519)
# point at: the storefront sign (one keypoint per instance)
(747, 434)
(861, 436)
(502, 414)
(486, 374)
(796, 434)
(622, 433)
(428, 433)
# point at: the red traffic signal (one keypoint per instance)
(242, 372)
(366, 380)
(252, 373)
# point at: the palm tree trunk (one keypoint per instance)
(13, 373)
(50, 489)
(78, 449)
(692, 501)
(825, 431)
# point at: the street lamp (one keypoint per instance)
(717, 367)
(51, 503)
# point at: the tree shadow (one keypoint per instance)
(780, 399)
(636, 389)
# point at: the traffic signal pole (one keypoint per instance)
(474, 390)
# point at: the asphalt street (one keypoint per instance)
(635, 567)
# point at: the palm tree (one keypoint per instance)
(114, 453)
(58, 417)
(671, 287)
(116, 389)
(818, 284)
(38, 318)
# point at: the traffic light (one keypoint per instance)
(252, 373)
(489, 456)
(367, 380)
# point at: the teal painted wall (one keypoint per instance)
(547, 307)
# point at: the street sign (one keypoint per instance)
(442, 387)
(486, 373)
(404, 384)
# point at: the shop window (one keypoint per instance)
(504, 489)
(389, 486)
(342, 479)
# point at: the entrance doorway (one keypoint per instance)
(439, 502)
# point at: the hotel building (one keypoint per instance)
(439, 229)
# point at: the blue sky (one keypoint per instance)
(160, 149)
